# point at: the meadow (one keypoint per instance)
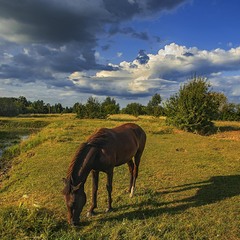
(188, 185)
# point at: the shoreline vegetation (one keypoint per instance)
(188, 184)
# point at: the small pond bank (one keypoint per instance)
(6, 143)
(12, 132)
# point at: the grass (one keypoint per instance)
(12, 130)
(188, 185)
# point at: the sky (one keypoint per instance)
(64, 51)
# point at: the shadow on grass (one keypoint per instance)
(228, 128)
(214, 190)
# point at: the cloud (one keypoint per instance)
(115, 29)
(142, 57)
(53, 43)
(163, 72)
(40, 40)
(63, 21)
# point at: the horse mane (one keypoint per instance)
(78, 158)
(98, 139)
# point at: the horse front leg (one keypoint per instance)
(109, 189)
(95, 178)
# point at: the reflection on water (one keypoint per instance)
(6, 143)
(24, 137)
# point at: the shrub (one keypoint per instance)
(153, 107)
(134, 109)
(193, 108)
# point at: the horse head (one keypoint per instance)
(75, 199)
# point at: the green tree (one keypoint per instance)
(23, 104)
(193, 108)
(153, 107)
(230, 112)
(109, 106)
(93, 108)
(134, 109)
(80, 110)
(39, 107)
(59, 108)
(9, 107)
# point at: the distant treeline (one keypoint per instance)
(15, 106)
(93, 108)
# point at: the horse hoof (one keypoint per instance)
(132, 192)
(109, 210)
(90, 214)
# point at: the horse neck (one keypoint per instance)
(82, 169)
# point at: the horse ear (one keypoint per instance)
(64, 181)
(75, 188)
(66, 189)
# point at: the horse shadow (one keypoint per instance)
(208, 192)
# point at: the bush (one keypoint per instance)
(193, 108)
(153, 107)
(134, 109)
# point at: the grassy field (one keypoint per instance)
(188, 185)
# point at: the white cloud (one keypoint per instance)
(164, 72)
(119, 54)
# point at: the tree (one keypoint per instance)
(153, 107)
(230, 112)
(134, 109)
(9, 107)
(109, 106)
(80, 110)
(23, 104)
(93, 108)
(39, 107)
(193, 108)
(59, 108)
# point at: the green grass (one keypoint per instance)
(188, 185)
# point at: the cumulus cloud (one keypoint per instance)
(163, 71)
(42, 39)
(53, 42)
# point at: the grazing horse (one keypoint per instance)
(103, 151)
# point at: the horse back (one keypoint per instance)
(123, 142)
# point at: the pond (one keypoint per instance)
(10, 141)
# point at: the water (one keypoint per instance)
(8, 143)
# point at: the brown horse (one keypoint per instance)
(103, 151)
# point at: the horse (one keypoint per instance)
(105, 149)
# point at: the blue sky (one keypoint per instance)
(66, 51)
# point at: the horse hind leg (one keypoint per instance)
(137, 159)
(131, 167)
(109, 190)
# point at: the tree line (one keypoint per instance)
(15, 106)
(193, 107)
(93, 108)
